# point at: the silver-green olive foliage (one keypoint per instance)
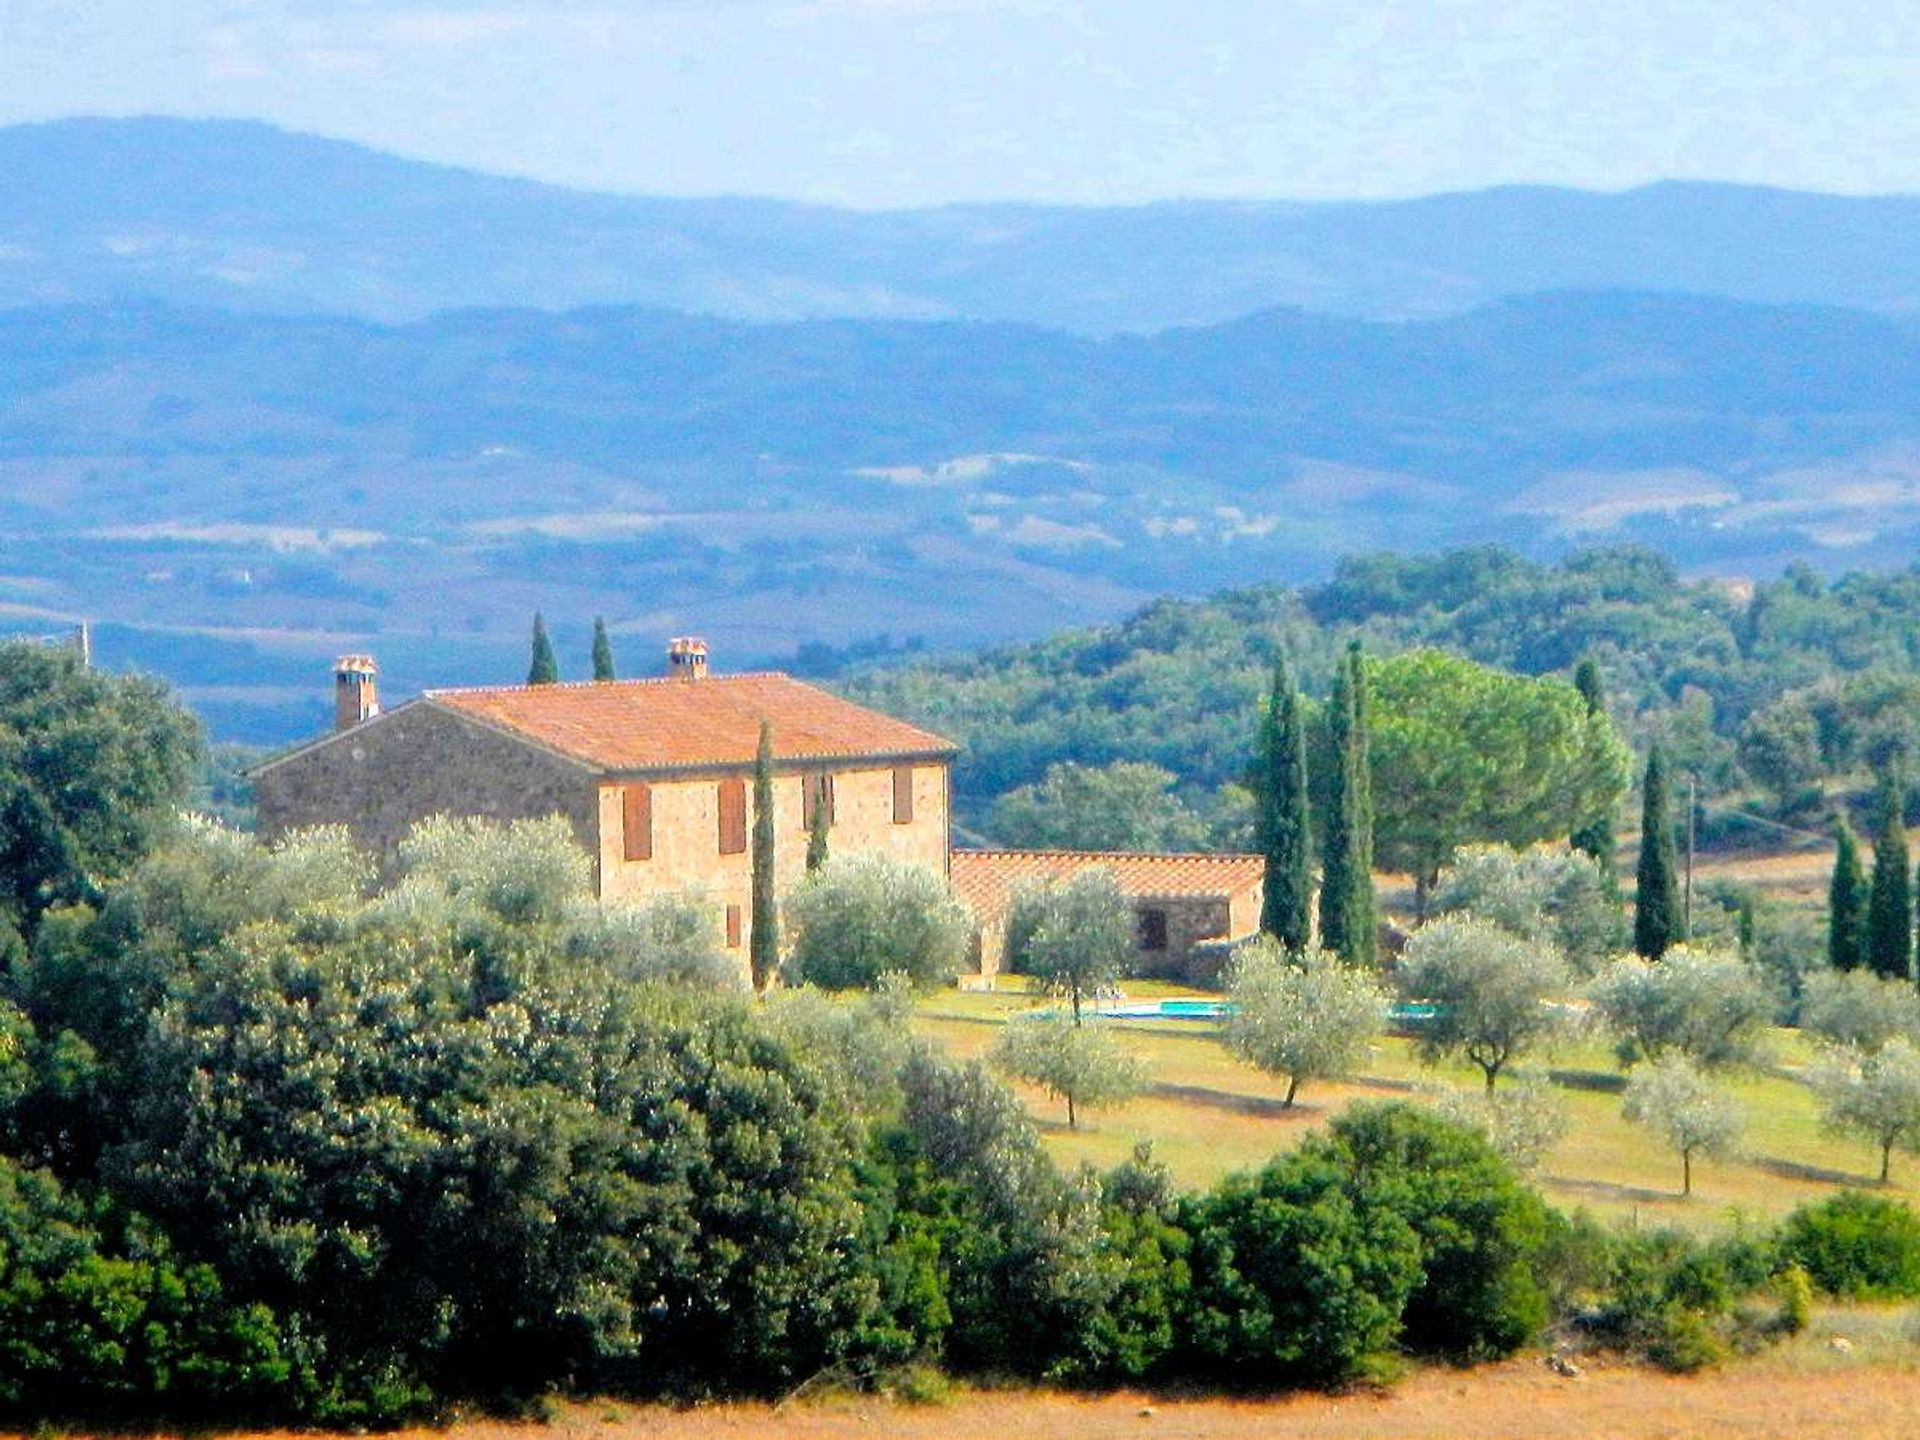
(1875, 1096)
(1493, 994)
(861, 916)
(1464, 753)
(1676, 1101)
(1708, 1005)
(1082, 1064)
(1310, 1017)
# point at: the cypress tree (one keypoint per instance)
(1280, 790)
(1656, 907)
(817, 836)
(1347, 906)
(1890, 906)
(1595, 837)
(1363, 926)
(544, 670)
(1846, 903)
(602, 651)
(763, 950)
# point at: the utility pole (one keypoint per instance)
(1693, 809)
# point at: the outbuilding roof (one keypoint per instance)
(670, 723)
(985, 879)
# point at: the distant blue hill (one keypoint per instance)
(235, 497)
(245, 216)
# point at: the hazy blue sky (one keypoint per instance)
(893, 102)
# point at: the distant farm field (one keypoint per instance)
(1207, 1114)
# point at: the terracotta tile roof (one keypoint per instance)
(985, 878)
(629, 725)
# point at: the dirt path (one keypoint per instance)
(1518, 1399)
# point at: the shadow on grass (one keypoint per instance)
(1609, 1190)
(1234, 1103)
(1389, 1083)
(1819, 1175)
(1600, 1082)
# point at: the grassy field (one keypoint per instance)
(1208, 1114)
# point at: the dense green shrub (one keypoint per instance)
(1857, 1245)
(1293, 1281)
(1481, 1233)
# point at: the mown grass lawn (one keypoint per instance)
(1207, 1115)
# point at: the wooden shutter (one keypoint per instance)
(815, 791)
(903, 794)
(636, 816)
(733, 927)
(733, 817)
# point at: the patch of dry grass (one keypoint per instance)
(1208, 1115)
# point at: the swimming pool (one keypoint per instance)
(1405, 1015)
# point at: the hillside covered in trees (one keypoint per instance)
(1775, 693)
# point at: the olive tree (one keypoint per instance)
(1081, 1064)
(1860, 1009)
(1309, 1017)
(1522, 1122)
(1675, 1100)
(1076, 934)
(1546, 892)
(1707, 1005)
(1876, 1097)
(865, 915)
(1493, 994)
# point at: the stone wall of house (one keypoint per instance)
(386, 775)
(1189, 920)
(686, 833)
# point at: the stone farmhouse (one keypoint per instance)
(656, 778)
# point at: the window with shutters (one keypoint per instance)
(903, 794)
(636, 815)
(1153, 929)
(733, 817)
(815, 791)
(733, 927)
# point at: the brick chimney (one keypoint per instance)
(687, 658)
(356, 693)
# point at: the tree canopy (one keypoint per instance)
(1465, 753)
(94, 767)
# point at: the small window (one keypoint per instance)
(733, 817)
(636, 816)
(815, 791)
(1153, 929)
(903, 794)
(733, 927)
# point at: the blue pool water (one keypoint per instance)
(1408, 1014)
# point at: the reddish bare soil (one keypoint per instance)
(1518, 1399)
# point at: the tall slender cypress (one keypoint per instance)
(1846, 903)
(1363, 928)
(763, 948)
(1656, 906)
(1347, 905)
(543, 669)
(1280, 788)
(602, 651)
(817, 834)
(1594, 836)
(1890, 906)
